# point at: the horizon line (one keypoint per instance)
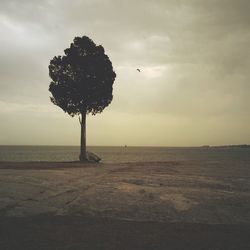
(125, 145)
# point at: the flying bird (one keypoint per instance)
(138, 70)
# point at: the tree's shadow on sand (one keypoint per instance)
(43, 165)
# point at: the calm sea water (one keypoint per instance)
(123, 154)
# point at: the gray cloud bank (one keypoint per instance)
(193, 54)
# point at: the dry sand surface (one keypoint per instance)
(154, 205)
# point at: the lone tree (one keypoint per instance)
(82, 82)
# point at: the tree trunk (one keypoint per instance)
(83, 156)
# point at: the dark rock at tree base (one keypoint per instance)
(92, 157)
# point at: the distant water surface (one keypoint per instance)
(123, 154)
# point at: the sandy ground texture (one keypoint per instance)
(159, 205)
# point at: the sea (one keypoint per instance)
(125, 154)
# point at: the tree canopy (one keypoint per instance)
(82, 79)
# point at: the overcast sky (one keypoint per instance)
(193, 88)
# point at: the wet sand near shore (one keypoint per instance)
(147, 205)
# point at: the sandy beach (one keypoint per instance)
(143, 205)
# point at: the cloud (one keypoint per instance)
(18, 108)
(193, 55)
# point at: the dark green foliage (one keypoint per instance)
(82, 79)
